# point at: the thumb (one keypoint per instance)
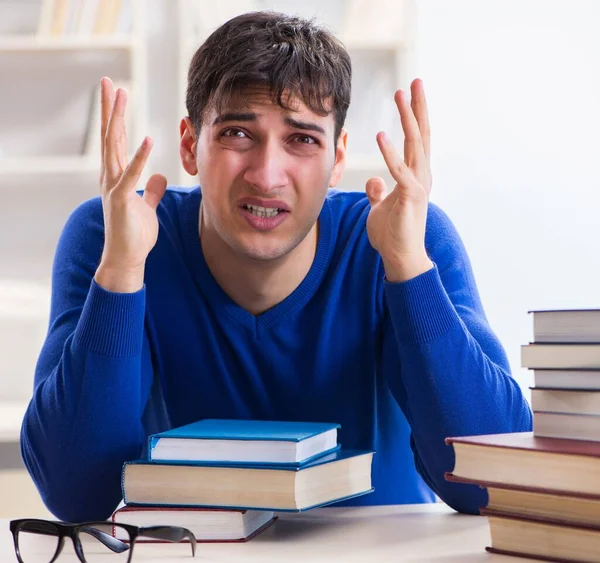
(376, 190)
(155, 190)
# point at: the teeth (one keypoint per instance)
(262, 211)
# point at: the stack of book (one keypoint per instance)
(544, 486)
(226, 479)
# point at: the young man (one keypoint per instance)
(264, 294)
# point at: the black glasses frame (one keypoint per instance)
(63, 530)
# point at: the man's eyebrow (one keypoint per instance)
(234, 116)
(304, 125)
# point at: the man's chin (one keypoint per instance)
(263, 254)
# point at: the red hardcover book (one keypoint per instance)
(523, 460)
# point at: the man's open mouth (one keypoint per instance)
(264, 212)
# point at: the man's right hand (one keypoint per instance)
(130, 222)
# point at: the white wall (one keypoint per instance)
(514, 94)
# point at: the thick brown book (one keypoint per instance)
(542, 538)
(573, 508)
(524, 460)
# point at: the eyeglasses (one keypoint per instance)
(41, 541)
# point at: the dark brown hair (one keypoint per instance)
(286, 54)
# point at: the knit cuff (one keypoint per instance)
(420, 308)
(112, 324)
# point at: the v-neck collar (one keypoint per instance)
(221, 302)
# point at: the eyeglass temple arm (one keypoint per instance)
(114, 544)
(169, 533)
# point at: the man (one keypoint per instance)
(264, 294)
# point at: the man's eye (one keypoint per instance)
(237, 133)
(306, 140)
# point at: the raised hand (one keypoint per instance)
(130, 222)
(396, 222)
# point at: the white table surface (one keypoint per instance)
(431, 533)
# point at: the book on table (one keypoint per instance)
(543, 493)
(566, 426)
(525, 460)
(207, 524)
(566, 413)
(566, 356)
(327, 479)
(573, 507)
(566, 378)
(546, 539)
(245, 442)
(566, 325)
(565, 401)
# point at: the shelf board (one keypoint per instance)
(33, 166)
(33, 43)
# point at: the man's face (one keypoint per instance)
(265, 172)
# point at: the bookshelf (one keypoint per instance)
(380, 37)
(79, 41)
(34, 43)
(53, 54)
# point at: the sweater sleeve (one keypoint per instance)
(92, 380)
(454, 377)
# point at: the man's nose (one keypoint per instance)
(267, 169)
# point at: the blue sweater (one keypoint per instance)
(400, 365)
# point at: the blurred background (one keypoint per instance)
(514, 97)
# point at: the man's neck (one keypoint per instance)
(257, 285)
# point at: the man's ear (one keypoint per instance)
(187, 146)
(340, 159)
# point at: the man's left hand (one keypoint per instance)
(396, 222)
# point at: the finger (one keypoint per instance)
(397, 167)
(418, 104)
(376, 190)
(131, 176)
(414, 154)
(114, 163)
(155, 190)
(107, 101)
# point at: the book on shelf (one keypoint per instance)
(561, 356)
(566, 401)
(522, 459)
(566, 325)
(207, 524)
(327, 479)
(542, 538)
(245, 442)
(566, 378)
(84, 18)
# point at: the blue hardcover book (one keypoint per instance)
(245, 442)
(328, 479)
